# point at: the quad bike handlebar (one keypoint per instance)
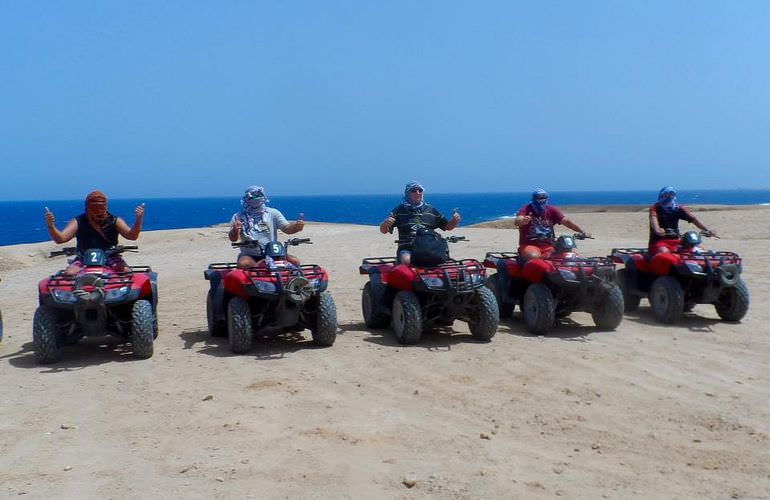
(256, 244)
(450, 239)
(69, 251)
(671, 234)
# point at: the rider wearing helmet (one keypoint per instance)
(257, 222)
(95, 228)
(664, 222)
(535, 222)
(411, 212)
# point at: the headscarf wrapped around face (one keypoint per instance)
(407, 202)
(539, 201)
(253, 208)
(96, 210)
(667, 199)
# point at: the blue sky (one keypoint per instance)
(191, 98)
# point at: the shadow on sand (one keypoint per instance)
(270, 345)
(89, 351)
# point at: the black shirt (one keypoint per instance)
(408, 217)
(669, 219)
(88, 237)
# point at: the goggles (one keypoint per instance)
(255, 196)
(416, 190)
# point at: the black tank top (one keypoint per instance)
(88, 237)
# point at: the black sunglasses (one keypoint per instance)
(415, 190)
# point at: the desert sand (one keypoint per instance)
(647, 411)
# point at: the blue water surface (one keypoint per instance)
(23, 221)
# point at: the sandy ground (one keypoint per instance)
(647, 411)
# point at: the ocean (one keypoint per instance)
(23, 221)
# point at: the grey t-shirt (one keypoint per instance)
(263, 230)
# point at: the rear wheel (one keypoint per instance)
(325, 328)
(372, 319)
(142, 329)
(407, 317)
(217, 328)
(45, 335)
(608, 309)
(494, 284)
(630, 302)
(733, 302)
(539, 309)
(485, 316)
(239, 325)
(667, 299)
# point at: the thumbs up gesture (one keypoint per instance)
(300, 224)
(49, 218)
(139, 211)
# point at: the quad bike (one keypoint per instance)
(274, 297)
(94, 302)
(675, 281)
(556, 285)
(414, 298)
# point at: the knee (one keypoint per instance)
(246, 262)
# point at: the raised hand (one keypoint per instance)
(139, 211)
(49, 218)
(237, 226)
(456, 215)
(300, 224)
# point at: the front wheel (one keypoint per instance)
(239, 325)
(733, 302)
(45, 335)
(494, 284)
(217, 328)
(630, 302)
(608, 309)
(539, 309)
(485, 316)
(407, 317)
(324, 329)
(372, 319)
(142, 329)
(667, 299)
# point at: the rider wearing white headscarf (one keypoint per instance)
(258, 222)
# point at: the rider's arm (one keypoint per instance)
(700, 226)
(566, 222)
(129, 233)
(386, 226)
(133, 232)
(654, 224)
(66, 234)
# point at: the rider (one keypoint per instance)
(535, 222)
(95, 228)
(664, 222)
(257, 222)
(413, 211)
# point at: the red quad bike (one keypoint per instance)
(273, 297)
(555, 286)
(96, 301)
(674, 282)
(417, 297)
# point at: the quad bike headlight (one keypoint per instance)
(265, 287)
(64, 296)
(433, 282)
(116, 293)
(695, 268)
(567, 274)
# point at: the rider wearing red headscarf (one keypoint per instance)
(95, 228)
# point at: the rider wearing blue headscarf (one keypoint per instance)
(413, 211)
(664, 221)
(536, 221)
(260, 223)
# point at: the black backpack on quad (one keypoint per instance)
(94, 302)
(674, 282)
(555, 286)
(434, 290)
(272, 298)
